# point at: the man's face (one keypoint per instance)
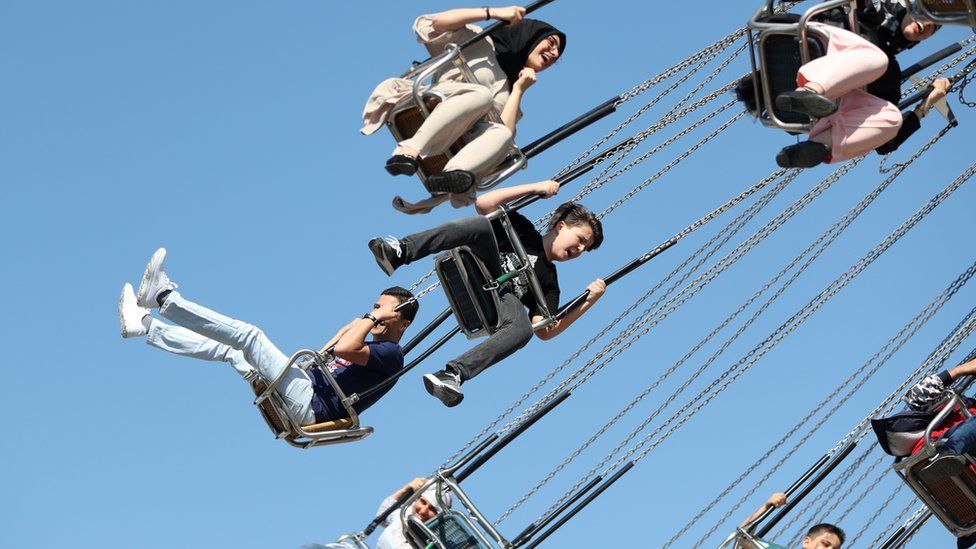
(824, 540)
(571, 241)
(423, 510)
(388, 329)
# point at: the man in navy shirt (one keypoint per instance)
(207, 335)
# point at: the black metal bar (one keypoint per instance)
(413, 363)
(922, 94)
(582, 504)
(908, 72)
(534, 528)
(902, 535)
(389, 511)
(504, 441)
(616, 275)
(796, 486)
(445, 314)
(498, 24)
(846, 451)
(552, 138)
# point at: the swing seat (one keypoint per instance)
(785, 42)
(464, 278)
(406, 118)
(945, 12)
(952, 499)
(451, 531)
(285, 427)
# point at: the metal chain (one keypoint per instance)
(884, 474)
(878, 512)
(891, 524)
(862, 374)
(823, 242)
(714, 244)
(696, 404)
(917, 515)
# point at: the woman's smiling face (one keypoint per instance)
(916, 31)
(544, 54)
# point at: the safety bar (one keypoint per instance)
(920, 10)
(823, 473)
(434, 324)
(517, 161)
(949, 404)
(419, 67)
(444, 482)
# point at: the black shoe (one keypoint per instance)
(446, 386)
(455, 181)
(941, 466)
(807, 102)
(806, 154)
(388, 253)
(401, 164)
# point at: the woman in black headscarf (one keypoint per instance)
(504, 65)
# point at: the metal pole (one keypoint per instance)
(389, 511)
(534, 528)
(445, 314)
(930, 60)
(922, 94)
(545, 142)
(808, 488)
(504, 441)
(498, 24)
(905, 532)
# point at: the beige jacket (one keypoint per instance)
(481, 59)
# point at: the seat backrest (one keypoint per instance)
(462, 302)
(452, 532)
(407, 121)
(783, 61)
(276, 421)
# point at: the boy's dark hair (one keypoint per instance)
(574, 214)
(402, 294)
(824, 527)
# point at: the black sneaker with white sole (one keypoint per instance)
(388, 253)
(446, 386)
(941, 466)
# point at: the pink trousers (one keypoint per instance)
(863, 122)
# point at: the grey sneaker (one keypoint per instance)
(941, 466)
(446, 386)
(388, 253)
(154, 281)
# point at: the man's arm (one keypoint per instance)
(454, 19)
(335, 338)
(928, 391)
(776, 500)
(596, 290)
(490, 201)
(352, 344)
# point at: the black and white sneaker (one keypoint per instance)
(806, 102)
(446, 386)
(941, 466)
(805, 154)
(388, 253)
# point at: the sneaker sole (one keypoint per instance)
(803, 158)
(444, 183)
(151, 268)
(379, 253)
(122, 324)
(401, 168)
(439, 391)
(812, 106)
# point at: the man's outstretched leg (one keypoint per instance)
(156, 290)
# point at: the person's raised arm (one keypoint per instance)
(510, 112)
(454, 19)
(352, 344)
(414, 485)
(596, 290)
(490, 201)
(966, 369)
(776, 500)
(335, 338)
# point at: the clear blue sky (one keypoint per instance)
(227, 132)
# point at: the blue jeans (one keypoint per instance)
(961, 438)
(207, 335)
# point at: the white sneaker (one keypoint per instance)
(132, 317)
(154, 281)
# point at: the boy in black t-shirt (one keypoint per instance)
(572, 231)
